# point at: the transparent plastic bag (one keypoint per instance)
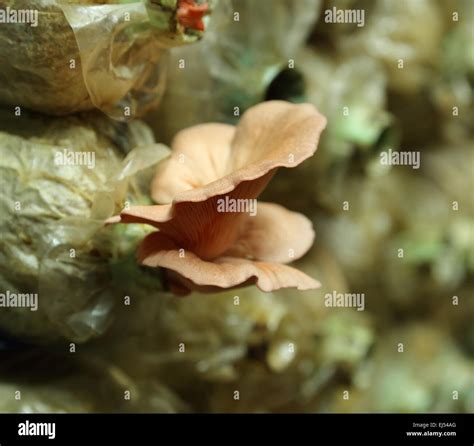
(106, 55)
(54, 243)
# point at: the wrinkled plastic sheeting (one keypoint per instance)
(80, 56)
(62, 211)
(123, 63)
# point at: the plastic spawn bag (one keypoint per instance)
(61, 271)
(74, 56)
(232, 67)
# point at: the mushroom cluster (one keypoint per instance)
(202, 248)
